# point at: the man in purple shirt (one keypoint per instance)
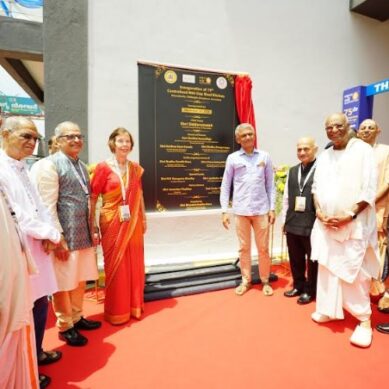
(251, 172)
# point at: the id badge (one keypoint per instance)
(124, 213)
(299, 205)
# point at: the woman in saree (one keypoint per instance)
(122, 225)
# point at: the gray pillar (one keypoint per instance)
(65, 55)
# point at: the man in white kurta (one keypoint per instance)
(63, 183)
(19, 139)
(18, 363)
(344, 236)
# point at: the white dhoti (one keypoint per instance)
(334, 294)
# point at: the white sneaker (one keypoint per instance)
(362, 336)
(319, 318)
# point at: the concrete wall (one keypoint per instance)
(300, 54)
(65, 40)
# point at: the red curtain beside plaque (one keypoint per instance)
(243, 100)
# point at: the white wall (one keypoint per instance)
(300, 54)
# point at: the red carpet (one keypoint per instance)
(219, 340)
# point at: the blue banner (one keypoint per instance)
(357, 106)
(377, 87)
(30, 3)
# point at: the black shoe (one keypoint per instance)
(305, 298)
(84, 324)
(72, 337)
(384, 328)
(44, 381)
(292, 293)
(49, 357)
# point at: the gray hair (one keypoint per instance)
(64, 126)
(14, 123)
(242, 126)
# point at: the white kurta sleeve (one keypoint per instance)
(369, 180)
(45, 179)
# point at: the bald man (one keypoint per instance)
(369, 131)
(298, 215)
(344, 235)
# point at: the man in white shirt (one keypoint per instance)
(19, 139)
(344, 236)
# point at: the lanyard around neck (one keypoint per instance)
(119, 174)
(301, 187)
(82, 180)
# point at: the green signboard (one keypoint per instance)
(19, 106)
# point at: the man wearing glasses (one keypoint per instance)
(63, 183)
(369, 131)
(19, 139)
(344, 236)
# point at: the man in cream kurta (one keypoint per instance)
(344, 236)
(17, 343)
(63, 183)
(369, 131)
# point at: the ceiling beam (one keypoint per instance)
(21, 37)
(376, 9)
(22, 76)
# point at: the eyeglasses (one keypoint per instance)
(336, 126)
(72, 137)
(367, 128)
(26, 136)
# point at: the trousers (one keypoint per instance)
(260, 225)
(68, 306)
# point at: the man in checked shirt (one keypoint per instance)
(251, 172)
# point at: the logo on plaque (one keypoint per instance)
(221, 82)
(170, 77)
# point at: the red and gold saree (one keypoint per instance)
(122, 242)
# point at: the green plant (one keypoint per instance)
(280, 175)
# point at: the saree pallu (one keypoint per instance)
(123, 250)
